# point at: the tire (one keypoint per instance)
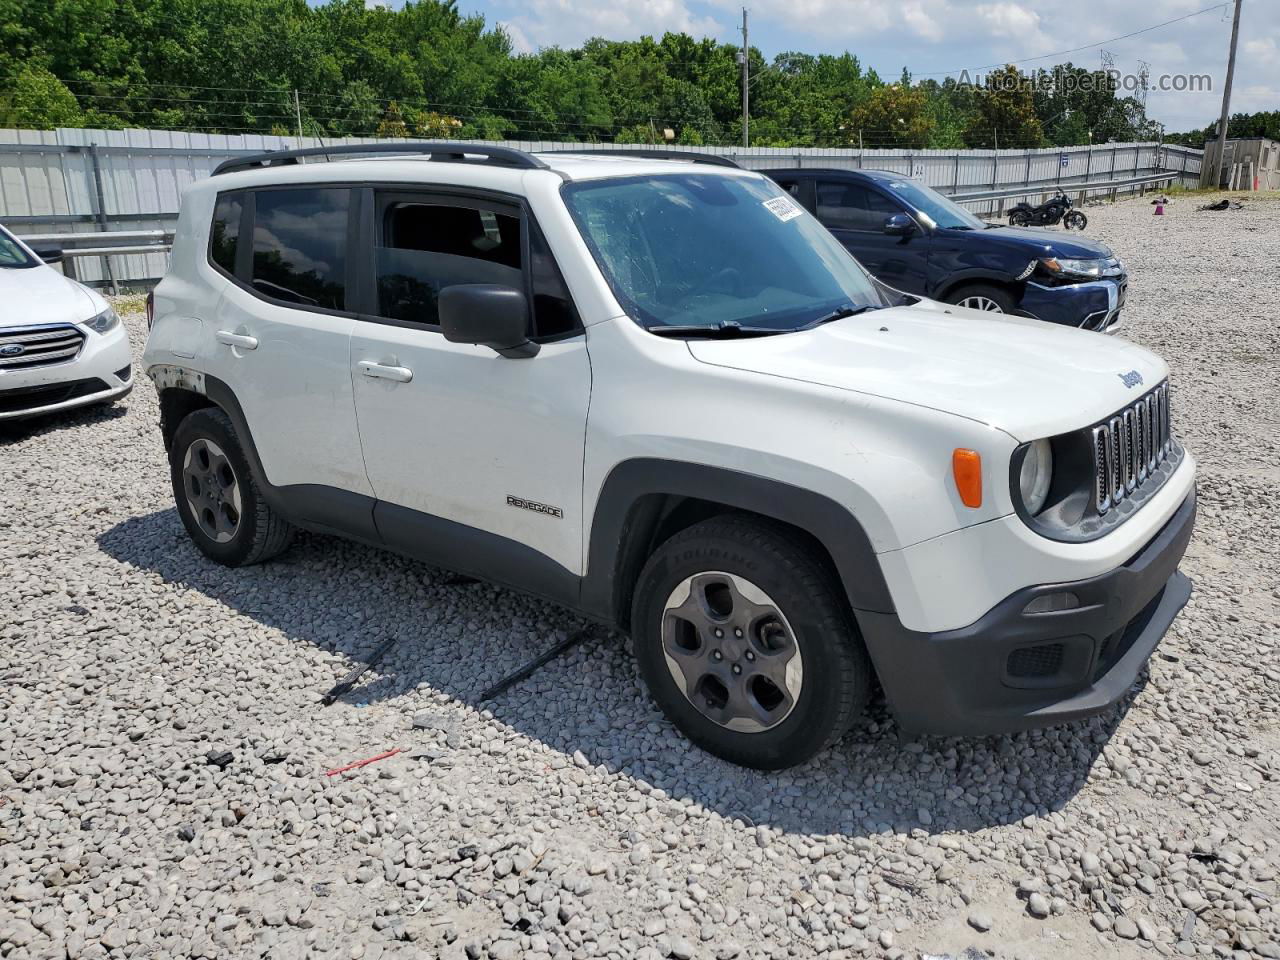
(986, 297)
(217, 495)
(760, 577)
(1019, 218)
(1075, 220)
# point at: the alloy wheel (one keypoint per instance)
(981, 303)
(212, 490)
(731, 652)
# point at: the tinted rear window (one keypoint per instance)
(300, 246)
(224, 236)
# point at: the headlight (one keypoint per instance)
(1035, 476)
(104, 322)
(1081, 268)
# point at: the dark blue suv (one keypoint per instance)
(916, 240)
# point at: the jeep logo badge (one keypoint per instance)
(1131, 379)
(12, 350)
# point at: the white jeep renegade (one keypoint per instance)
(659, 393)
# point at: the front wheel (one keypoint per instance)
(982, 296)
(744, 643)
(1075, 220)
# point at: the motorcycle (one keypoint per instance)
(1057, 207)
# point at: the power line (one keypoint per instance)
(1087, 46)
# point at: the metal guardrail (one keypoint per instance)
(1083, 188)
(107, 243)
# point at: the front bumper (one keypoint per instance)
(1013, 671)
(98, 374)
(1095, 305)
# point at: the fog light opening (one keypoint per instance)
(1052, 603)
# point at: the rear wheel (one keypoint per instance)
(744, 642)
(218, 497)
(1019, 218)
(982, 296)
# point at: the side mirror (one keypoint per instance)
(48, 253)
(488, 314)
(899, 225)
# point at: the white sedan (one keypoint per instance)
(61, 344)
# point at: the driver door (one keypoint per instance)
(476, 460)
(856, 214)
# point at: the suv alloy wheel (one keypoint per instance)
(217, 495)
(982, 296)
(745, 644)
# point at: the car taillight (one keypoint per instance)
(151, 309)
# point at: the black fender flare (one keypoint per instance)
(316, 507)
(632, 482)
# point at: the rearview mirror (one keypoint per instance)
(487, 314)
(899, 225)
(49, 253)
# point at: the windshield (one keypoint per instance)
(710, 250)
(12, 255)
(925, 200)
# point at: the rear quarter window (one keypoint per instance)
(224, 234)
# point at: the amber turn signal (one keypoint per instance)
(966, 466)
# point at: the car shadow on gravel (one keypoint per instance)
(16, 431)
(458, 639)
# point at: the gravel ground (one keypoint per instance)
(571, 819)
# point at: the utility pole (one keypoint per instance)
(297, 112)
(746, 79)
(1226, 98)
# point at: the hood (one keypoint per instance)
(1028, 378)
(1045, 243)
(36, 295)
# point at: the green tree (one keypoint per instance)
(1005, 114)
(38, 100)
(233, 66)
(893, 116)
(393, 123)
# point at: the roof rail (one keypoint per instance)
(689, 156)
(449, 151)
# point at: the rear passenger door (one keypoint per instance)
(476, 459)
(281, 334)
(855, 214)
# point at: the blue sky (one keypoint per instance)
(929, 36)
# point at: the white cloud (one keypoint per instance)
(567, 23)
(1009, 19)
(922, 20)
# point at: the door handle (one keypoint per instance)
(243, 341)
(384, 371)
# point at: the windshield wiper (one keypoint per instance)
(841, 314)
(724, 330)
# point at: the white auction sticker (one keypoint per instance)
(782, 208)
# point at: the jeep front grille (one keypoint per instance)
(1129, 447)
(22, 348)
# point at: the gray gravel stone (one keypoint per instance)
(981, 922)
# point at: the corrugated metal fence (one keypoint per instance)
(74, 180)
